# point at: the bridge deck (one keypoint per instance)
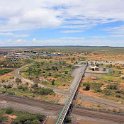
(68, 103)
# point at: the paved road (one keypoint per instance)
(48, 109)
(74, 87)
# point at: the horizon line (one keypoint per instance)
(64, 46)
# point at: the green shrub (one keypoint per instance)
(3, 119)
(35, 86)
(86, 86)
(107, 92)
(24, 119)
(53, 82)
(118, 95)
(120, 91)
(24, 88)
(96, 86)
(28, 119)
(67, 120)
(44, 91)
(27, 122)
(92, 86)
(18, 80)
(40, 117)
(4, 71)
(10, 92)
(112, 86)
(66, 72)
(9, 111)
(35, 122)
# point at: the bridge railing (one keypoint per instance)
(65, 109)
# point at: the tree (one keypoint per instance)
(66, 72)
(86, 86)
(5, 86)
(67, 120)
(53, 82)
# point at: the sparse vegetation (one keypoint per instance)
(9, 111)
(96, 87)
(28, 119)
(109, 85)
(53, 70)
(20, 117)
(44, 91)
(4, 71)
(3, 119)
(49, 73)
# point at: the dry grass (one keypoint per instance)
(6, 76)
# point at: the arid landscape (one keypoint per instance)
(39, 75)
(61, 61)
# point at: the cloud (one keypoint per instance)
(116, 31)
(65, 41)
(65, 16)
(13, 35)
(21, 15)
(71, 31)
(34, 14)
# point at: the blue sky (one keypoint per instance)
(65, 22)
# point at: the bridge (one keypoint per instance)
(76, 82)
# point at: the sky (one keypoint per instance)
(62, 22)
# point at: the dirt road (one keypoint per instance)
(50, 109)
